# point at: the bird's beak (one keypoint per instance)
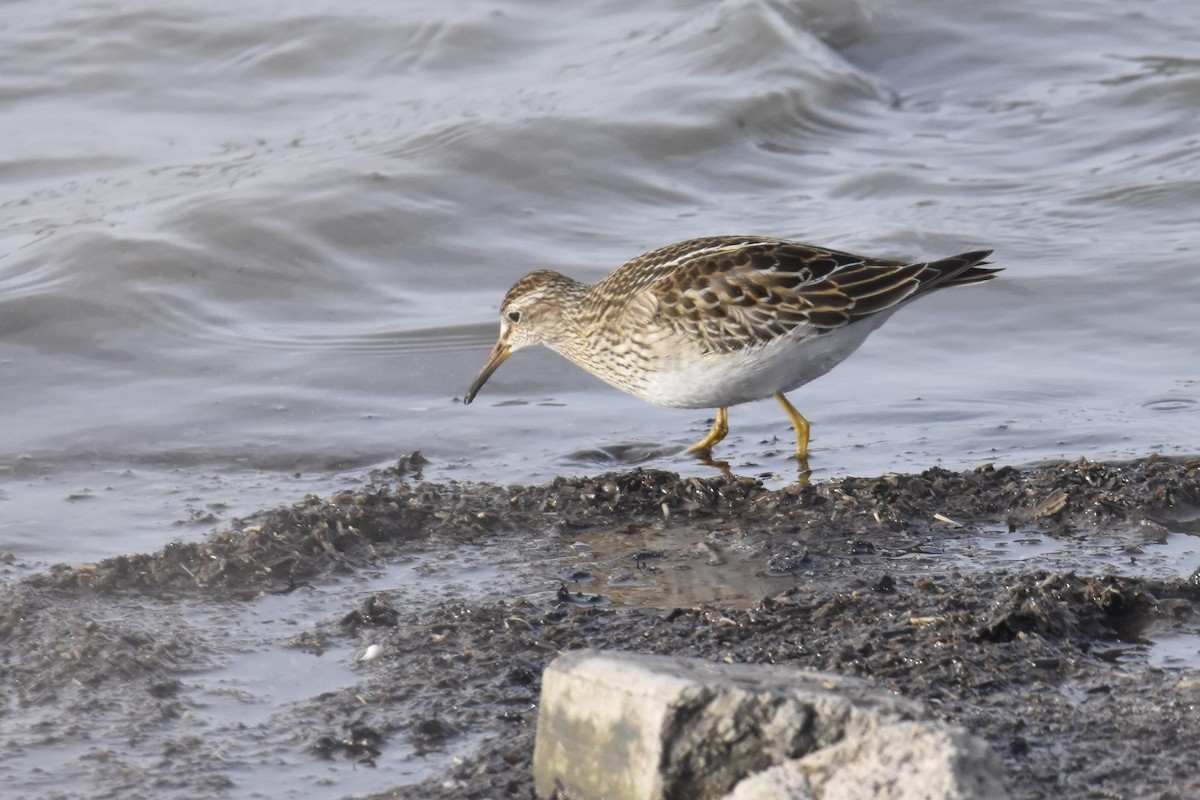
(501, 351)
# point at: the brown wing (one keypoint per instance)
(732, 293)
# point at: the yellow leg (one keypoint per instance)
(801, 425)
(719, 429)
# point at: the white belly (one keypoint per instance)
(710, 381)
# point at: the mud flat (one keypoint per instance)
(389, 640)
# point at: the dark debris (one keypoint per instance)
(1030, 660)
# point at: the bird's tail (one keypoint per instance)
(959, 270)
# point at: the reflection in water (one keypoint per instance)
(629, 454)
(669, 565)
(675, 567)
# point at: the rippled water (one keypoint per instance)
(246, 251)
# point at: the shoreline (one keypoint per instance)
(876, 578)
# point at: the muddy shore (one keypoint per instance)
(889, 579)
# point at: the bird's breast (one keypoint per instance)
(709, 380)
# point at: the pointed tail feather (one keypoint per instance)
(959, 270)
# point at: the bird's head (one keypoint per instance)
(533, 312)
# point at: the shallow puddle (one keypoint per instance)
(671, 568)
(685, 567)
(275, 684)
(1139, 553)
(245, 715)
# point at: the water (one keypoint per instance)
(245, 716)
(249, 251)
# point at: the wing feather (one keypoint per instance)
(732, 293)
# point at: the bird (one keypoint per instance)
(719, 321)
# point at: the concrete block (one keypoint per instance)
(899, 761)
(620, 726)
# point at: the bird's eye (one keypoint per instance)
(514, 316)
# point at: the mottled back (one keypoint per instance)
(728, 293)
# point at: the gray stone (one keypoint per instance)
(898, 761)
(619, 726)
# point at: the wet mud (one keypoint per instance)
(438, 606)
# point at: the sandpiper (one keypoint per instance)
(714, 322)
